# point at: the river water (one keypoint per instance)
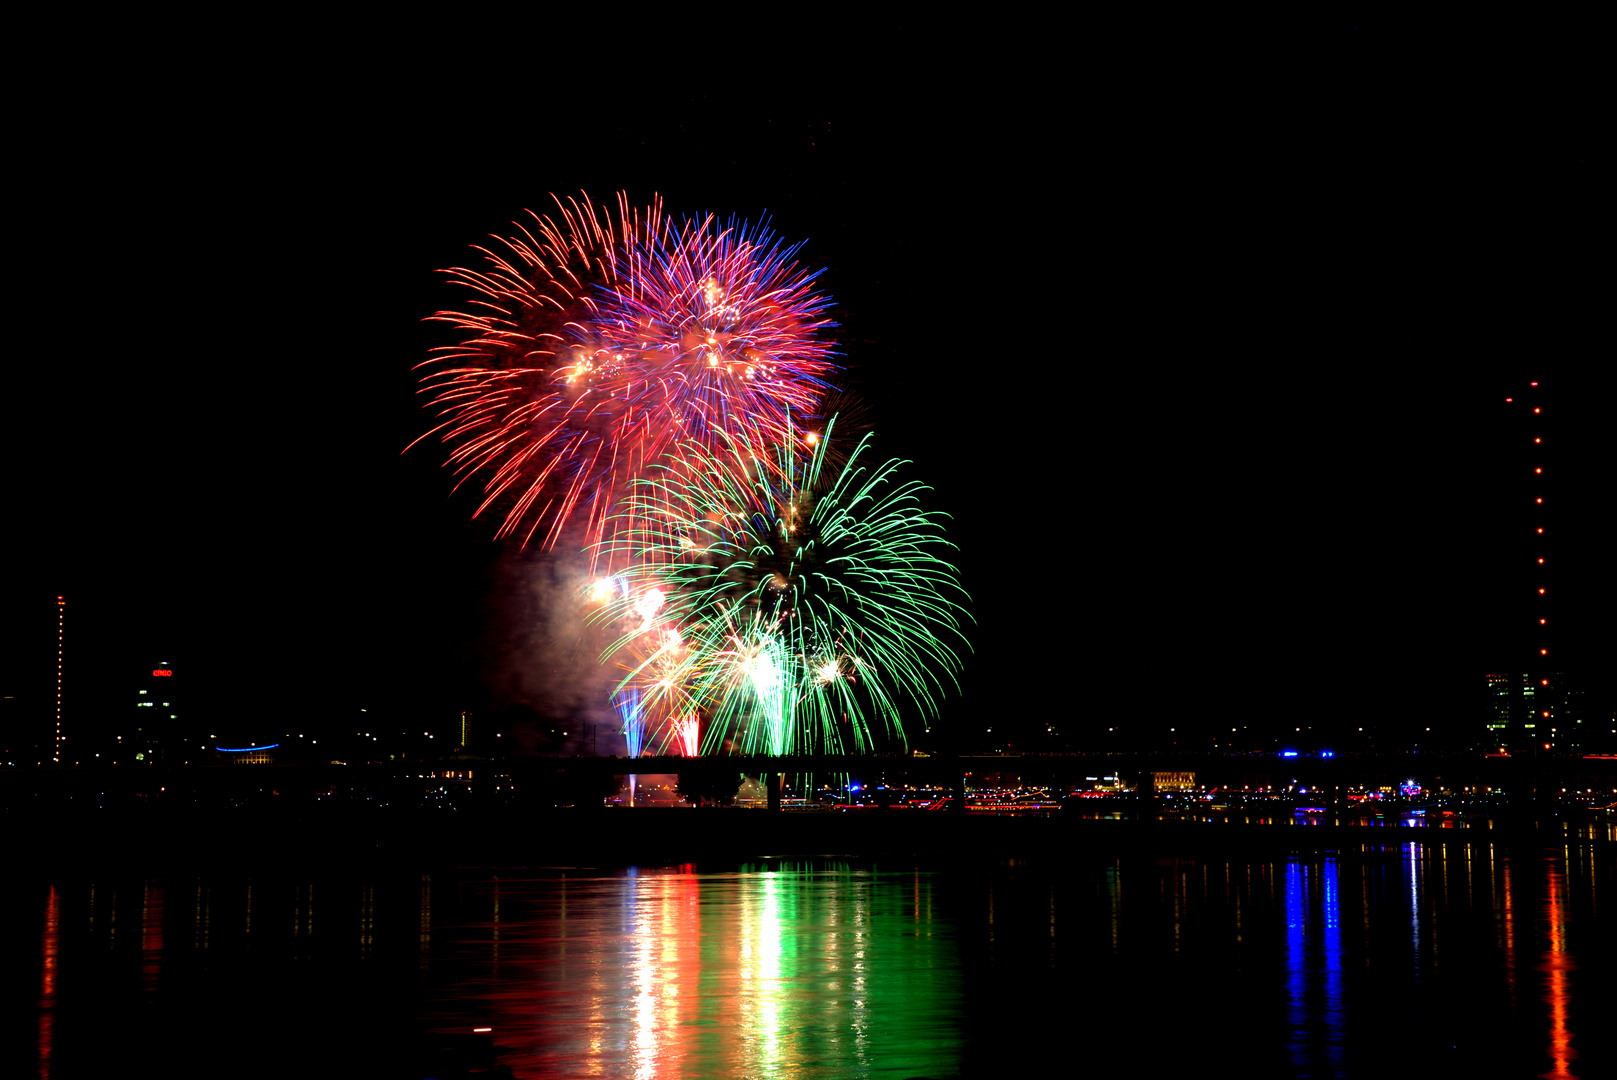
(1379, 961)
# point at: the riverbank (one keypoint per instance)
(656, 836)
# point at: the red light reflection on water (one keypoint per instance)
(151, 935)
(1556, 964)
(47, 985)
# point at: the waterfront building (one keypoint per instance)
(248, 755)
(151, 733)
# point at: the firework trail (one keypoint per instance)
(812, 600)
(688, 735)
(651, 695)
(632, 709)
(594, 344)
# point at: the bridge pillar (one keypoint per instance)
(1145, 796)
(957, 791)
(772, 785)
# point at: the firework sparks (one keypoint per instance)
(659, 392)
(595, 343)
(687, 735)
(813, 600)
(632, 709)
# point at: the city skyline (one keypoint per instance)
(1256, 395)
(1187, 472)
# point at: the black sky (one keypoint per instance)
(1204, 352)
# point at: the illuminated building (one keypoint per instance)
(1535, 707)
(465, 729)
(1174, 781)
(248, 755)
(153, 733)
(1501, 707)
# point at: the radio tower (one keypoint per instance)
(61, 626)
(1537, 694)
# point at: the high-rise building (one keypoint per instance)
(1542, 709)
(1502, 709)
(153, 732)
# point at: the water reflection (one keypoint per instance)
(1314, 965)
(1309, 965)
(47, 988)
(782, 969)
(1556, 965)
(151, 936)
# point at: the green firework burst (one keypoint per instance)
(812, 598)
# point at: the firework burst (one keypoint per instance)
(813, 600)
(726, 335)
(595, 343)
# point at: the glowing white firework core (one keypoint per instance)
(763, 673)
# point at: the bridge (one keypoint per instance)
(1526, 779)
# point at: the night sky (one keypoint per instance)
(1208, 362)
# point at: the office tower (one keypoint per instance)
(1501, 710)
(153, 734)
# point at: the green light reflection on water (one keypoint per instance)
(784, 969)
(841, 976)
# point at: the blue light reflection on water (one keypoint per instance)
(1314, 964)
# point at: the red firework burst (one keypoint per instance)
(596, 344)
